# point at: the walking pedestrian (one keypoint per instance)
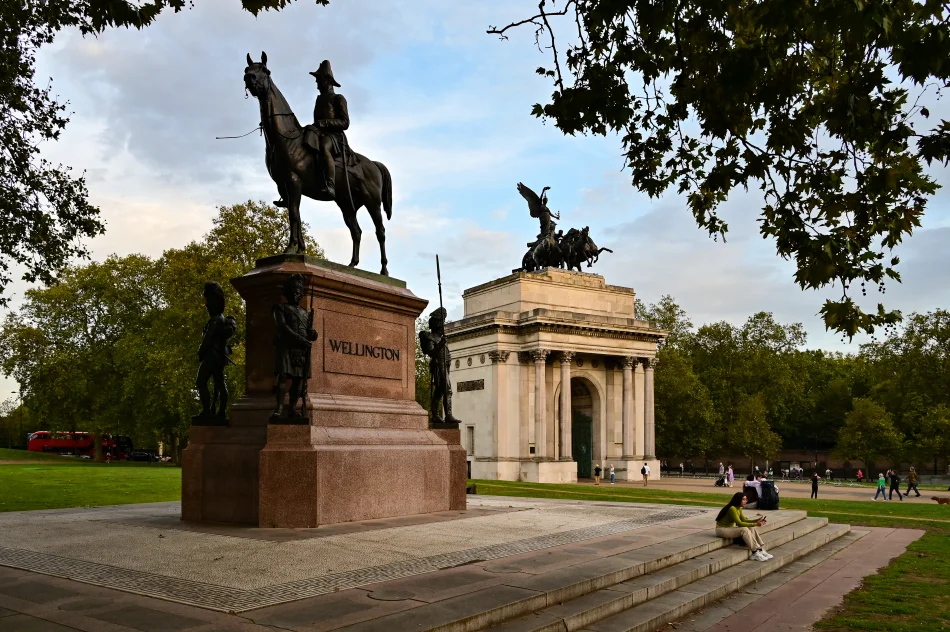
(860, 476)
(814, 484)
(731, 475)
(895, 485)
(722, 470)
(681, 470)
(645, 471)
(612, 478)
(912, 482)
(880, 488)
(597, 472)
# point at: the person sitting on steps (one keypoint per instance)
(731, 524)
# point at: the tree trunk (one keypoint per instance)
(97, 447)
(176, 452)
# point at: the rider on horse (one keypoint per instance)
(330, 119)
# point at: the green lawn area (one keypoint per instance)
(72, 482)
(912, 594)
(6, 454)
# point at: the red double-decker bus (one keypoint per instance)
(79, 443)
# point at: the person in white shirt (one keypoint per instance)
(756, 484)
(645, 470)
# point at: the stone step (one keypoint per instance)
(597, 605)
(524, 595)
(711, 615)
(649, 616)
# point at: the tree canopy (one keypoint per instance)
(816, 103)
(755, 389)
(106, 348)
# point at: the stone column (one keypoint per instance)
(626, 417)
(502, 435)
(566, 445)
(649, 438)
(540, 401)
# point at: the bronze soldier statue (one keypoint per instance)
(213, 355)
(331, 119)
(295, 336)
(434, 345)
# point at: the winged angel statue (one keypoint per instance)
(555, 249)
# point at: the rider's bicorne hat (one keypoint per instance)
(325, 71)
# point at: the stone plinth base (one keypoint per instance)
(630, 470)
(363, 450)
(549, 471)
(314, 475)
(220, 473)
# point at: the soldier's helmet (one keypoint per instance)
(214, 296)
(438, 316)
(293, 287)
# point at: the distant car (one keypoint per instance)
(85, 456)
(141, 456)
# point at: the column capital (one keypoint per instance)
(649, 363)
(539, 355)
(498, 357)
(627, 362)
(524, 357)
(566, 357)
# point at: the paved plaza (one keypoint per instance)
(516, 564)
(147, 550)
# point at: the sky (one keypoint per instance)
(447, 108)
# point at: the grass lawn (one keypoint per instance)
(7, 454)
(72, 482)
(912, 594)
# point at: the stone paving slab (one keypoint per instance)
(122, 548)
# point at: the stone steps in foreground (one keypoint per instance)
(673, 605)
(523, 595)
(592, 607)
(712, 614)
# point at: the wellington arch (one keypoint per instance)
(521, 339)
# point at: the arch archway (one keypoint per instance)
(582, 426)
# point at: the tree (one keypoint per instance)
(807, 100)
(868, 434)
(750, 434)
(686, 421)
(110, 347)
(44, 209)
(933, 437)
(667, 314)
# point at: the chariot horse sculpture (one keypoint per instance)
(297, 171)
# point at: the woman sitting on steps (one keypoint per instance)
(731, 523)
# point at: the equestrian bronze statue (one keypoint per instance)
(316, 161)
(552, 248)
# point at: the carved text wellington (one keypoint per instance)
(363, 350)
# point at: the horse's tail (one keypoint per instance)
(387, 192)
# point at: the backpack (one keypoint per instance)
(643, 470)
(769, 498)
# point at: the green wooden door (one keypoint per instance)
(582, 440)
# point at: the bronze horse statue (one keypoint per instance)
(295, 168)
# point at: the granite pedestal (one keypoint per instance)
(364, 450)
